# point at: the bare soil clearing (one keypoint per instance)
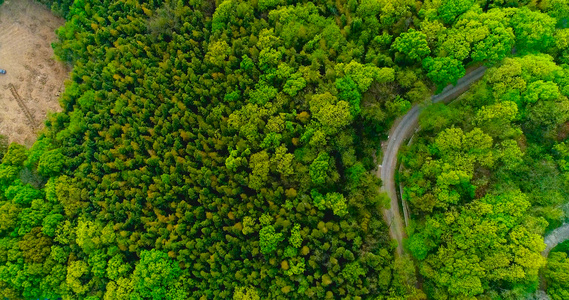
(26, 31)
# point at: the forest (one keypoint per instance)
(228, 150)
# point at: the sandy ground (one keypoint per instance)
(26, 32)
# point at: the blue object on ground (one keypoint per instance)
(2, 71)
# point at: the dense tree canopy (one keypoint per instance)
(557, 275)
(484, 180)
(225, 149)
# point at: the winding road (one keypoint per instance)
(557, 236)
(402, 129)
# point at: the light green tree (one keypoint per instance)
(154, 275)
(269, 239)
(319, 167)
(557, 275)
(248, 293)
(533, 29)
(443, 70)
(451, 9)
(413, 44)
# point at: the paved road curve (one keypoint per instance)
(557, 236)
(403, 129)
(551, 240)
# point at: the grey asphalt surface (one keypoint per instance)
(404, 127)
(551, 240)
(557, 236)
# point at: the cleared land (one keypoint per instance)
(26, 32)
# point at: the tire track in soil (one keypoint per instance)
(23, 106)
(34, 79)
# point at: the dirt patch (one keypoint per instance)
(563, 132)
(33, 75)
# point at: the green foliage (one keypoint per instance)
(3, 146)
(413, 44)
(262, 94)
(562, 247)
(217, 53)
(332, 114)
(475, 230)
(496, 45)
(265, 4)
(417, 245)
(470, 163)
(154, 274)
(296, 268)
(269, 239)
(196, 136)
(248, 293)
(75, 271)
(51, 163)
(294, 84)
(365, 75)
(318, 200)
(511, 154)
(337, 203)
(319, 167)
(451, 9)
(165, 21)
(557, 275)
(559, 9)
(59, 7)
(562, 44)
(247, 63)
(348, 91)
(222, 16)
(295, 238)
(533, 30)
(353, 271)
(439, 117)
(15, 156)
(443, 70)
